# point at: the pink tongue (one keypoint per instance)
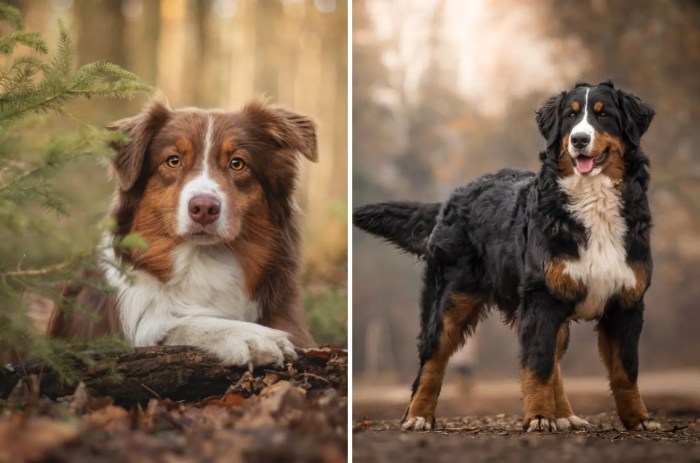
(584, 164)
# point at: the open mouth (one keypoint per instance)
(585, 164)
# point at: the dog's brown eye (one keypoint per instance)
(173, 161)
(572, 115)
(237, 164)
(603, 115)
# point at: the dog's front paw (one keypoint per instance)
(255, 346)
(540, 424)
(418, 423)
(647, 425)
(260, 346)
(573, 423)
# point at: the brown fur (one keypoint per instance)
(614, 166)
(264, 230)
(566, 168)
(547, 398)
(598, 106)
(629, 296)
(562, 284)
(630, 406)
(538, 397)
(562, 407)
(83, 313)
(461, 318)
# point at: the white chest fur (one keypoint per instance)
(602, 264)
(205, 281)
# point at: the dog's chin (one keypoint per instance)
(203, 238)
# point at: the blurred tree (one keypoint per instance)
(32, 86)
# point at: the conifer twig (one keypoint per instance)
(37, 272)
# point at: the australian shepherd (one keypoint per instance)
(570, 242)
(212, 193)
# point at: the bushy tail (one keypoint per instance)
(405, 224)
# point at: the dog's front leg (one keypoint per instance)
(234, 342)
(541, 318)
(618, 340)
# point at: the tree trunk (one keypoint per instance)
(179, 373)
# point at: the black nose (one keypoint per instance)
(204, 209)
(580, 140)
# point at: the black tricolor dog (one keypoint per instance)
(569, 242)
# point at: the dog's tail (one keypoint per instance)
(405, 224)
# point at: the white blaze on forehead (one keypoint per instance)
(583, 127)
(207, 145)
(201, 184)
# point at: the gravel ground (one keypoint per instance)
(499, 438)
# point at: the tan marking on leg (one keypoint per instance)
(462, 316)
(538, 399)
(629, 296)
(630, 406)
(562, 407)
(565, 418)
(560, 283)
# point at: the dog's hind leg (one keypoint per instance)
(618, 339)
(565, 418)
(440, 340)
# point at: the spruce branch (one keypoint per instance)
(11, 16)
(33, 40)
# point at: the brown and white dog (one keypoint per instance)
(212, 192)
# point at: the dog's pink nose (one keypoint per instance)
(204, 209)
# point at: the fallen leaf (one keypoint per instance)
(110, 418)
(31, 439)
(279, 405)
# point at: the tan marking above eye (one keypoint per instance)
(575, 106)
(598, 106)
(183, 145)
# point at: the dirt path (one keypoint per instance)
(489, 427)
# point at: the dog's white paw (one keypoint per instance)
(234, 342)
(260, 346)
(648, 425)
(541, 424)
(418, 423)
(573, 423)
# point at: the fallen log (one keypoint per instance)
(177, 373)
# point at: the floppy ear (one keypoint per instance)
(548, 119)
(636, 116)
(287, 128)
(131, 154)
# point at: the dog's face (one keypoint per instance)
(208, 176)
(591, 127)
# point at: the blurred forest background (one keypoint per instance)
(209, 53)
(445, 91)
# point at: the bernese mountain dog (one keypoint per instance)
(570, 242)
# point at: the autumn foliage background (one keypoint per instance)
(446, 91)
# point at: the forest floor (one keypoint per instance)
(295, 413)
(488, 427)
